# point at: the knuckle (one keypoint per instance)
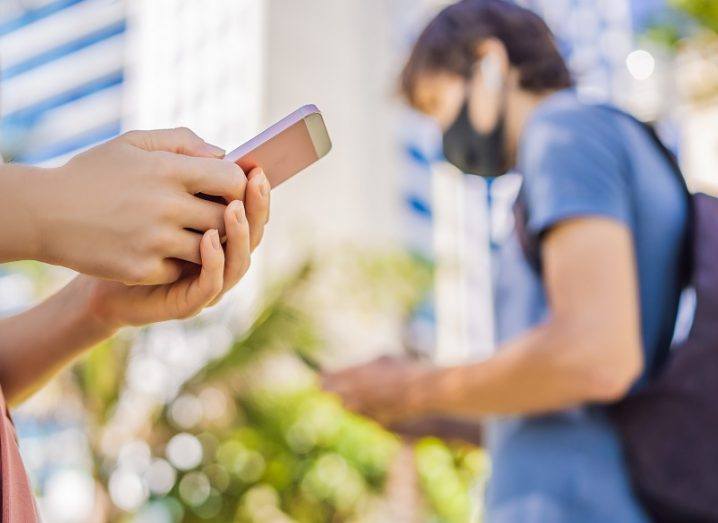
(188, 312)
(171, 272)
(139, 273)
(240, 188)
(167, 209)
(160, 243)
(245, 265)
(162, 163)
(216, 220)
(237, 171)
(236, 176)
(131, 136)
(185, 133)
(184, 314)
(216, 289)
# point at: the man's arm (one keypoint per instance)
(589, 350)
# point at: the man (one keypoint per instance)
(125, 214)
(588, 324)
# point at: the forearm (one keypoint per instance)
(21, 202)
(37, 343)
(449, 428)
(542, 371)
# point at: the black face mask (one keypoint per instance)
(473, 152)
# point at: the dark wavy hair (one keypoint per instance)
(448, 45)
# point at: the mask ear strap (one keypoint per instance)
(490, 67)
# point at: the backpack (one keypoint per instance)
(668, 427)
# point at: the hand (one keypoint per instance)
(38, 341)
(385, 389)
(126, 210)
(115, 305)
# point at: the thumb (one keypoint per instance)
(180, 140)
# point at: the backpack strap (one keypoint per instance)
(687, 248)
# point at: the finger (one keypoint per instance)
(257, 205)
(186, 246)
(164, 271)
(352, 402)
(202, 215)
(237, 250)
(354, 406)
(196, 288)
(208, 176)
(334, 383)
(203, 289)
(180, 140)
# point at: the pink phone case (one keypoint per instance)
(284, 149)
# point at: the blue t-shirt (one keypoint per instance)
(582, 160)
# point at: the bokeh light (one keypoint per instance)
(641, 64)
(127, 489)
(160, 477)
(70, 496)
(194, 488)
(184, 451)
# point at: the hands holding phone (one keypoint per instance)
(125, 214)
(126, 210)
(116, 304)
(141, 217)
(176, 264)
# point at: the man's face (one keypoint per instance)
(441, 96)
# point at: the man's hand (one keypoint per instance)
(127, 210)
(383, 389)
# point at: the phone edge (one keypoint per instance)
(271, 131)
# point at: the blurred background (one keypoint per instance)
(378, 249)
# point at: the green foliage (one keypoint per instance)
(281, 449)
(665, 34)
(686, 20)
(100, 376)
(705, 12)
(447, 475)
(280, 324)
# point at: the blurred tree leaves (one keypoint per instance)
(683, 21)
(100, 377)
(705, 12)
(278, 448)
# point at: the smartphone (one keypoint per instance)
(287, 147)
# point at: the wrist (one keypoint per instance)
(90, 304)
(419, 399)
(24, 190)
(47, 191)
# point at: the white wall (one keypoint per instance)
(339, 56)
(197, 64)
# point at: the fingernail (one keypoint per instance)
(263, 184)
(239, 211)
(214, 236)
(213, 150)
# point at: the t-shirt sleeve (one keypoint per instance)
(573, 166)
